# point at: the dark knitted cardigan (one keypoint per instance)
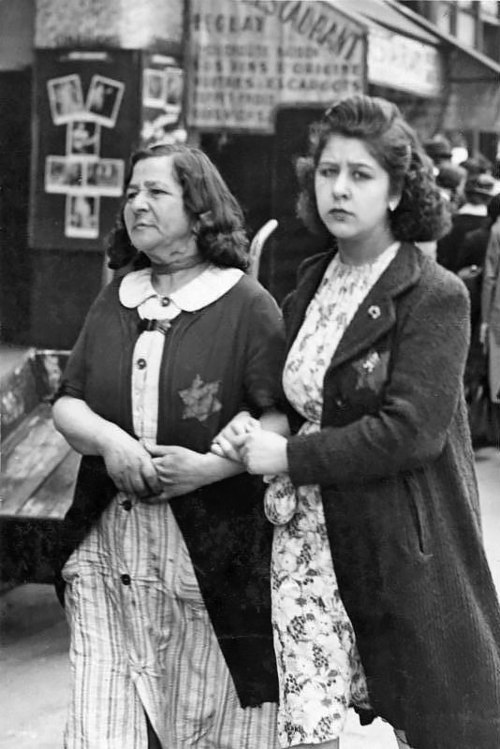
(395, 464)
(226, 354)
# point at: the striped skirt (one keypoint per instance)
(142, 642)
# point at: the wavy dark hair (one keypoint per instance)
(220, 233)
(422, 213)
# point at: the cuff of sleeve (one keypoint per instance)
(66, 389)
(301, 461)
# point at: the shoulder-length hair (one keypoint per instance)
(219, 221)
(422, 213)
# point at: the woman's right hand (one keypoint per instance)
(229, 440)
(129, 464)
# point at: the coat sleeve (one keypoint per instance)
(490, 274)
(420, 399)
(74, 375)
(265, 350)
(73, 379)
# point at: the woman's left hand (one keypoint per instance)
(179, 469)
(264, 452)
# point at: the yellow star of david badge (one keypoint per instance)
(372, 371)
(200, 400)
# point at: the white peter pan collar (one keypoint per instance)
(136, 289)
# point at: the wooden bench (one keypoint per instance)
(38, 469)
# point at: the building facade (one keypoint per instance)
(84, 83)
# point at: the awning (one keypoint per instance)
(473, 81)
(381, 14)
(401, 54)
(467, 63)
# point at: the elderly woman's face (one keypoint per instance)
(352, 189)
(154, 213)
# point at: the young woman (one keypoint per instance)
(381, 593)
(166, 550)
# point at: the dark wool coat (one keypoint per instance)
(395, 464)
(224, 355)
(450, 247)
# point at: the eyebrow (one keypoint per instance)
(150, 183)
(363, 164)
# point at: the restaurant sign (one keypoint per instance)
(250, 57)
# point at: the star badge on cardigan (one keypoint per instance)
(372, 371)
(200, 399)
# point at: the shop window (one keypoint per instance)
(491, 41)
(489, 10)
(466, 24)
(444, 14)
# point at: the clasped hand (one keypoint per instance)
(153, 472)
(260, 450)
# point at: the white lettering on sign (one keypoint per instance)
(250, 57)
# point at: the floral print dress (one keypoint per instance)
(319, 670)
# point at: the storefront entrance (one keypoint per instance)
(260, 171)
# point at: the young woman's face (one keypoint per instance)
(352, 190)
(154, 213)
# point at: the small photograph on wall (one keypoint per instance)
(66, 98)
(175, 87)
(154, 88)
(83, 138)
(105, 177)
(64, 174)
(104, 99)
(82, 216)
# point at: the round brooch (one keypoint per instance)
(374, 311)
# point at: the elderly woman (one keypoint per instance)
(166, 548)
(381, 593)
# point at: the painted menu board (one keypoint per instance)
(247, 58)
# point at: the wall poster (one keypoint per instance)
(162, 100)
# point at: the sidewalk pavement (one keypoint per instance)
(34, 686)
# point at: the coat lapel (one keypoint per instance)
(377, 313)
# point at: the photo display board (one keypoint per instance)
(87, 122)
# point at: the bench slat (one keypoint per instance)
(53, 497)
(30, 459)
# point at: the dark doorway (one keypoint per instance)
(292, 243)
(260, 172)
(245, 162)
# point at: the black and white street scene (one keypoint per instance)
(250, 374)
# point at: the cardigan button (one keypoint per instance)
(339, 402)
(127, 505)
(141, 363)
(126, 579)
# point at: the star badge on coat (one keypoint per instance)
(200, 400)
(372, 371)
